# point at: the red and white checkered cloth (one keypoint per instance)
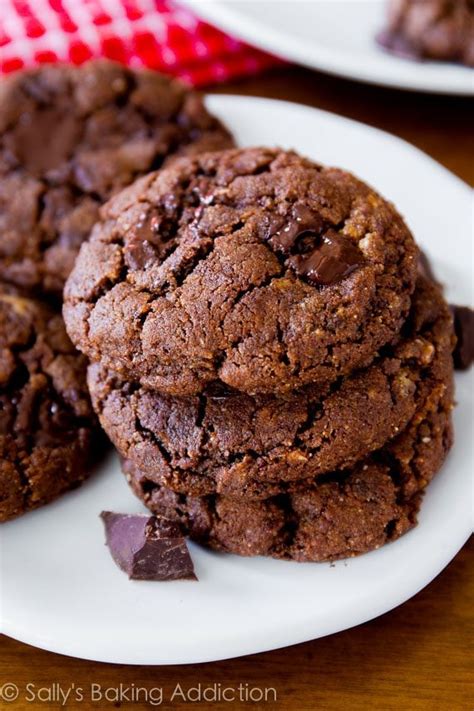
(154, 33)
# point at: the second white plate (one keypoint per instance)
(335, 36)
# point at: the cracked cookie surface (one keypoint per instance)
(47, 426)
(431, 29)
(70, 137)
(255, 267)
(229, 443)
(341, 515)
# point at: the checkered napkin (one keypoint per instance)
(158, 34)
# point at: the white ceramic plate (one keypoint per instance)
(335, 36)
(60, 589)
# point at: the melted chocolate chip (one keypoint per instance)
(149, 229)
(316, 252)
(333, 259)
(285, 234)
(139, 254)
(149, 241)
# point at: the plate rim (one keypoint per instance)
(274, 41)
(331, 115)
(247, 649)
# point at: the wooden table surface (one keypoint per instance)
(418, 657)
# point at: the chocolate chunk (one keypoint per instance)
(147, 547)
(463, 354)
(303, 221)
(59, 135)
(148, 229)
(333, 259)
(148, 242)
(139, 253)
(318, 253)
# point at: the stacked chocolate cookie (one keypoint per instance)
(69, 139)
(265, 354)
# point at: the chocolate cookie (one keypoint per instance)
(70, 137)
(234, 444)
(47, 427)
(340, 515)
(253, 267)
(431, 29)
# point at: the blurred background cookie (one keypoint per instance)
(431, 29)
(48, 431)
(69, 138)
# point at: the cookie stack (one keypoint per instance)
(69, 139)
(265, 354)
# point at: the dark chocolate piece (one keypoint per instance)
(147, 547)
(59, 131)
(318, 253)
(329, 262)
(463, 354)
(148, 242)
(303, 222)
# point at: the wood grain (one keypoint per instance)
(418, 657)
